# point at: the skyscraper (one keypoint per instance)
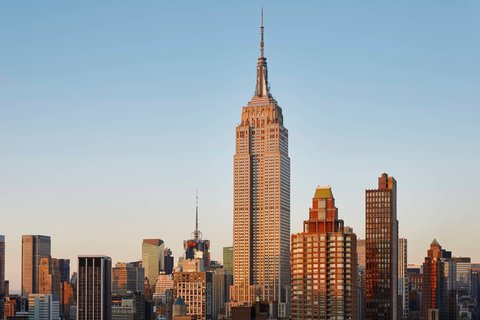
(49, 278)
(197, 247)
(324, 264)
(34, 248)
(434, 285)
(123, 278)
(228, 259)
(261, 218)
(381, 275)
(402, 276)
(2, 266)
(153, 259)
(94, 288)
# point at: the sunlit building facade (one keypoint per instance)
(402, 276)
(324, 264)
(261, 220)
(34, 248)
(153, 259)
(49, 277)
(381, 276)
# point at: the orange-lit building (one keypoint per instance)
(49, 277)
(261, 219)
(381, 235)
(324, 264)
(434, 284)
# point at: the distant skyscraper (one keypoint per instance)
(324, 264)
(94, 288)
(123, 278)
(261, 218)
(34, 248)
(169, 263)
(49, 281)
(64, 265)
(402, 276)
(434, 285)
(463, 275)
(228, 259)
(197, 247)
(382, 250)
(43, 307)
(2, 266)
(152, 259)
(361, 278)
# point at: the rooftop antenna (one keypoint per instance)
(262, 47)
(196, 233)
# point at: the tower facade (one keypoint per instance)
(94, 288)
(381, 277)
(324, 264)
(434, 290)
(2, 266)
(402, 276)
(153, 259)
(261, 219)
(34, 248)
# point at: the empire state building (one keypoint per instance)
(261, 219)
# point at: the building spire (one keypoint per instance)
(196, 234)
(262, 47)
(262, 89)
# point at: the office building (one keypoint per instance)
(169, 262)
(43, 307)
(196, 290)
(228, 259)
(123, 278)
(164, 283)
(130, 306)
(402, 277)
(261, 218)
(463, 276)
(361, 278)
(324, 264)
(434, 285)
(49, 277)
(197, 248)
(34, 248)
(94, 288)
(2, 266)
(381, 273)
(153, 259)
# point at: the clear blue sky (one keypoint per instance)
(113, 113)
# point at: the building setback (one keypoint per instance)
(261, 219)
(381, 277)
(324, 264)
(34, 248)
(94, 291)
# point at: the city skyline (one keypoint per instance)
(45, 180)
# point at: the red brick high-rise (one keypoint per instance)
(381, 277)
(324, 264)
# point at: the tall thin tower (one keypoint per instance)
(381, 277)
(261, 219)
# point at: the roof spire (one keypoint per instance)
(262, 89)
(262, 47)
(196, 233)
